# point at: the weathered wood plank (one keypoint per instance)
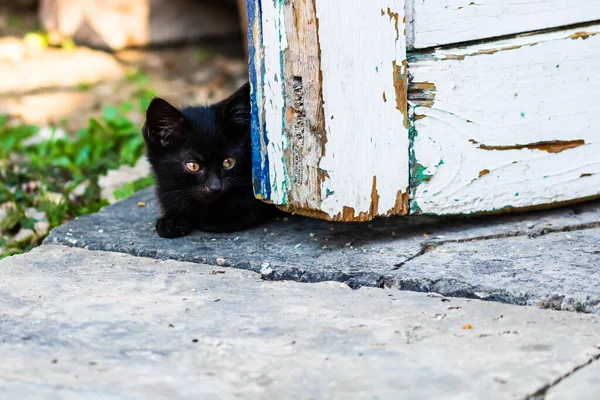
(434, 23)
(506, 124)
(329, 107)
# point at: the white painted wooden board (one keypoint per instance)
(351, 162)
(506, 124)
(437, 22)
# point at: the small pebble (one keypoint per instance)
(312, 234)
(265, 270)
(298, 245)
(220, 261)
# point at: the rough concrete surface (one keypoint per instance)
(552, 257)
(557, 270)
(583, 384)
(97, 325)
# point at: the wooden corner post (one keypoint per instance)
(329, 107)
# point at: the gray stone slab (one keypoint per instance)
(305, 249)
(89, 324)
(584, 384)
(556, 270)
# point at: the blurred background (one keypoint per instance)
(75, 79)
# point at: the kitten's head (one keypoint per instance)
(199, 153)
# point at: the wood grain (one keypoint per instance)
(440, 22)
(332, 117)
(506, 124)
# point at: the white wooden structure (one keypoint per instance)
(364, 109)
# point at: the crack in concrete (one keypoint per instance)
(456, 288)
(428, 246)
(450, 287)
(570, 228)
(540, 394)
(535, 234)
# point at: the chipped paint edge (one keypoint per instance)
(260, 161)
(422, 94)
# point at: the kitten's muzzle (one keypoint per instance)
(209, 193)
(214, 186)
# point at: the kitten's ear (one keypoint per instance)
(236, 108)
(163, 123)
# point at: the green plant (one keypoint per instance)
(53, 180)
(128, 189)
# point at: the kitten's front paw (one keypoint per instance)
(172, 227)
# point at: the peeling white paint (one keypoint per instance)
(366, 137)
(526, 90)
(434, 23)
(481, 121)
(274, 42)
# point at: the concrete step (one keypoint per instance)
(549, 258)
(97, 325)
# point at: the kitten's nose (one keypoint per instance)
(215, 186)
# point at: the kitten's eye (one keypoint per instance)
(228, 163)
(192, 166)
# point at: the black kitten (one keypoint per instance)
(201, 157)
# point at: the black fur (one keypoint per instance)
(214, 199)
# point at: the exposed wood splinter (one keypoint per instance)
(374, 198)
(421, 94)
(554, 146)
(400, 85)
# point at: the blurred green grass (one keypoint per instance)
(58, 176)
